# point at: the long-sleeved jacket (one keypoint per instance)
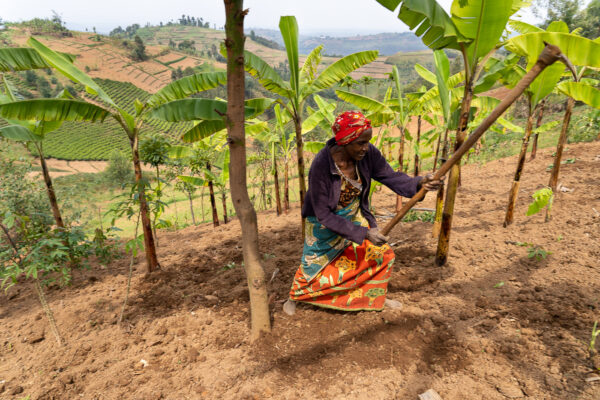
(324, 187)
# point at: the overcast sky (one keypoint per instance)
(342, 17)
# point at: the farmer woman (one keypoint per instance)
(346, 263)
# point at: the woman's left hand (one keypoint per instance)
(430, 184)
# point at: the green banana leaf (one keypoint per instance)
(436, 28)
(289, 32)
(523, 27)
(580, 50)
(341, 68)
(360, 101)
(65, 67)
(187, 86)
(482, 22)
(313, 147)
(193, 180)
(425, 74)
(581, 92)
(442, 74)
(19, 133)
(308, 73)
(179, 152)
(53, 110)
(24, 58)
(203, 129)
(266, 75)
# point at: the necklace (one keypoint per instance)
(354, 182)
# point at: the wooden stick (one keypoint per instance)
(549, 56)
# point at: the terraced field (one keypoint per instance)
(95, 141)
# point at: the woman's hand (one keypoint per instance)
(430, 184)
(375, 237)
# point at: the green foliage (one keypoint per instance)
(154, 150)
(119, 168)
(595, 333)
(424, 216)
(537, 252)
(541, 199)
(585, 127)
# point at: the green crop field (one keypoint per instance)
(95, 141)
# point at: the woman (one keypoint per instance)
(346, 263)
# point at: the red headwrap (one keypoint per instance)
(349, 126)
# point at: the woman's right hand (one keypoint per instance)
(375, 237)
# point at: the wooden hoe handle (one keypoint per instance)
(549, 56)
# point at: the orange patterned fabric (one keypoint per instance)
(355, 280)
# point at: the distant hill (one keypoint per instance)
(386, 43)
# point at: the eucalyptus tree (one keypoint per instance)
(236, 138)
(474, 28)
(77, 110)
(581, 52)
(303, 82)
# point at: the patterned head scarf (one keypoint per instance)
(349, 126)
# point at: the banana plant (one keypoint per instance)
(286, 146)
(303, 82)
(54, 110)
(475, 29)
(581, 52)
(33, 133)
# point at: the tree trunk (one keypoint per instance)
(514, 190)
(537, 125)
(562, 140)
(224, 201)
(213, 203)
(234, 42)
(191, 208)
(286, 187)
(202, 203)
(400, 164)
(417, 146)
(158, 193)
(300, 154)
(50, 189)
(151, 259)
(277, 196)
(453, 180)
(439, 201)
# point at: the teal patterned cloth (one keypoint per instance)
(321, 245)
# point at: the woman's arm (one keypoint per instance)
(399, 182)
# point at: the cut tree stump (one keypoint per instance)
(430, 395)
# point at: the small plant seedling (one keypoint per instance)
(569, 161)
(537, 252)
(559, 238)
(229, 266)
(499, 284)
(541, 198)
(268, 256)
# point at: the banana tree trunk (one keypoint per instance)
(286, 187)
(224, 201)
(150, 249)
(277, 196)
(213, 203)
(400, 164)
(537, 125)
(50, 189)
(417, 146)
(439, 200)
(514, 190)
(562, 140)
(300, 156)
(234, 42)
(191, 207)
(453, 180)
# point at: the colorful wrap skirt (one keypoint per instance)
(339, 274)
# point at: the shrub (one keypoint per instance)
(119, 168)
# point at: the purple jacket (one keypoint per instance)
(325, 185)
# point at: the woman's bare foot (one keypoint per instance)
(289, 307)
(391, 304)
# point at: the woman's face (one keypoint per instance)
(357, 149)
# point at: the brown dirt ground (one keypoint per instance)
(460, 332)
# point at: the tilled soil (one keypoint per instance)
(492, 324)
